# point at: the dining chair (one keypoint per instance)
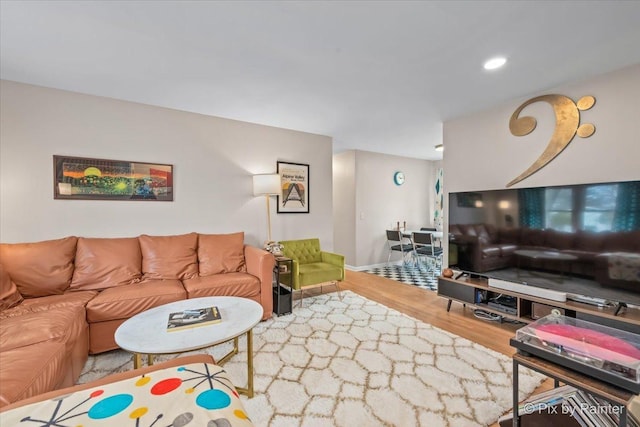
(397, 243)
(432, 229)
(423, 246)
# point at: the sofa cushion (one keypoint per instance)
(124, 302)
(455, 229)
(9, 295)
(509, 235)
(221, 253)
(628, 241)
(532, 237)
(483, 234)
(32, 328)
(589, 241)
(468, 229)
(227, 284)
(42, 268)
(169, 257)
(32, 370)
(583, 256)
(491, 232)
(105, 263)
(34, 305)
(559, 240)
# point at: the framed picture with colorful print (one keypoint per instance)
(294, 188)
(82, 178)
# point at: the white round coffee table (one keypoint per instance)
(146, 333)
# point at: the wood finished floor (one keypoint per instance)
(425, 305)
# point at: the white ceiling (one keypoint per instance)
(375, 75)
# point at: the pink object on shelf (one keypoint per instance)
(588, 342)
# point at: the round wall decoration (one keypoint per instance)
(398, 178)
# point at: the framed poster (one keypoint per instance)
(294, 188)
(81, 178)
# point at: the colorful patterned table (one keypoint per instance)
(196, 394)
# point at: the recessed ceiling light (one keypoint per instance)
(439, 147)
(494, 63)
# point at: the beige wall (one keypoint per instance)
(213, 160)
(378, 204)
(480, 152)
(344, 206)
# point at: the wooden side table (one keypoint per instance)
(282, 286)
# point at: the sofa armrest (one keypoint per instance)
(295, 274)
(335, 259)
(471, 247)
(260, 263)
(617, 270)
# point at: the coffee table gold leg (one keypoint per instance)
(250, 363)
(229, 355)
(137, 360)
(249, 390)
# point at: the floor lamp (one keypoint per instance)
(267, 185)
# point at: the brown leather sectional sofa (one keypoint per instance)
(483, 247)
(61, 300)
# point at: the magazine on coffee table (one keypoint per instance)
(192, 318)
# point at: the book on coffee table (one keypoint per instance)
(185, 319)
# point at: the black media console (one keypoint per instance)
(476, 293)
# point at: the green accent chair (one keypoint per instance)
(311, 265)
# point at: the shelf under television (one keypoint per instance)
(462, 290)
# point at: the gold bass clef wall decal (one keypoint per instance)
(567, 125)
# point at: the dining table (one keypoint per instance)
(435, 234)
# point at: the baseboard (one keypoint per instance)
(371, 266)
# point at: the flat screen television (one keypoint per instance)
(580, 239)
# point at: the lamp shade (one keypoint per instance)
(266, 185)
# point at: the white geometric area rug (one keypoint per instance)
(353, 362)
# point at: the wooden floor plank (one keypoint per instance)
(425, 305)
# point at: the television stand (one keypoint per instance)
(476, 293)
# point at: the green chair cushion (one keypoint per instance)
(318, 272)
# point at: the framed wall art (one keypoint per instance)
(470, 200)
(294, 188)
(81, 178)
